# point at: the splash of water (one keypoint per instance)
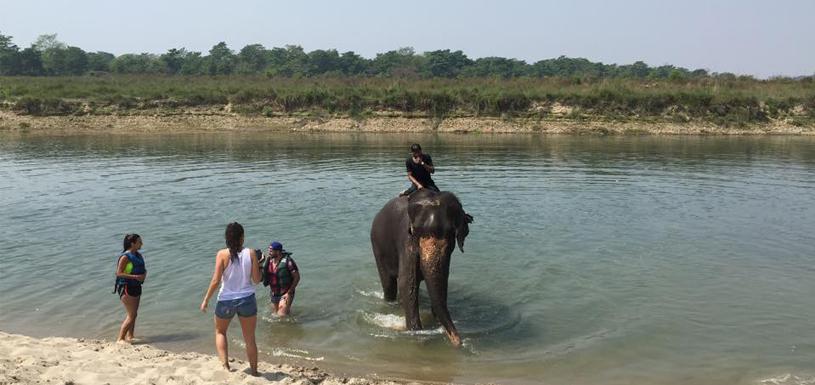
(789, 379)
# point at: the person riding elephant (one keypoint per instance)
(419, 170)
(412, 239)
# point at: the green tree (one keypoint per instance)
(700, 73)
(568, 67)
(446, 64)
(637, 70)
(144, 63)
(353, 64)
(221, 60)
(30, 63)
(252, 59)
(496, 66)
(661, 72)
(289, 61)
(193, 64)
(678, 74)
(401, 61)
(6, 43)
(58, 58)
(46, 42)
(49, 48)
(9, 56)
(725, 76)
(173, 60)
(323, 61)
(100, 61)
(65, 61)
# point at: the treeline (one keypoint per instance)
(50, 57)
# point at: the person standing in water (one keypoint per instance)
(130, 275)
(237, 270)
(282, 276)
(419, 168)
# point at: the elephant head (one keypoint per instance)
(437, 223)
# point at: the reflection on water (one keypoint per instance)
(592, 259)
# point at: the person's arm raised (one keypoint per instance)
(428, 165)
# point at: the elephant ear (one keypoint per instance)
(463, 229)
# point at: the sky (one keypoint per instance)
(759, 38)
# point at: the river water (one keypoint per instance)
(614, 260)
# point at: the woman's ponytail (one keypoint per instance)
(234, 239)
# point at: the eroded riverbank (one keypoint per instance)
(191, 121)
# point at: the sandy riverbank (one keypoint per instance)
(26, 360)
(208, 121)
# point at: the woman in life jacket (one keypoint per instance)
(238, 271)
(280, 273)
(130, 274)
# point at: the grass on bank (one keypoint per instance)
(725, 102)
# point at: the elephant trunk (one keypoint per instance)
(434, 261)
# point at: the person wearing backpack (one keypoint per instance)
(237, 270)
(130, 275)
(281, 274)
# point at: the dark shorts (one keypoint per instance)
(243, 307)
(276, 297)
(131, 289)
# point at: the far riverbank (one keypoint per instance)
(120, 104)
(190, 121)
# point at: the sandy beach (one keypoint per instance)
(56, 360)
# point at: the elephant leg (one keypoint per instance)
(386, 277)
(408, 282)
(388, 285)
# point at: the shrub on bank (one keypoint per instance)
(45, 107)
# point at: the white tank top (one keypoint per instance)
(236, 281)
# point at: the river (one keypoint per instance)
(614, 260)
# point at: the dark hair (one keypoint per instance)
(130, 239)
(415, 147)
(233, 235)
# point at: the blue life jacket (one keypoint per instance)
(138, 268)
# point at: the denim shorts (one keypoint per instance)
(243, 307)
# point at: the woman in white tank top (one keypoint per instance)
(237, 271)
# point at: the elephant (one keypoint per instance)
(412, 238)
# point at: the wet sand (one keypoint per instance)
(26, 360)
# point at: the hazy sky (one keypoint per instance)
(762, 38)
